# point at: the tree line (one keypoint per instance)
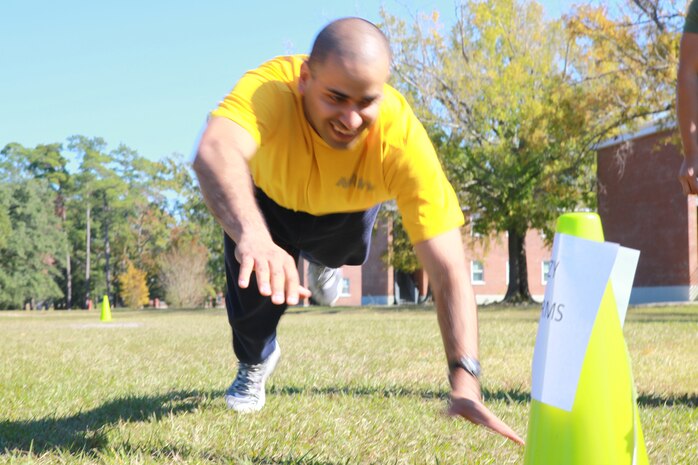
(79, 221)
(514, 102)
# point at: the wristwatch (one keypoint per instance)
(469, 364)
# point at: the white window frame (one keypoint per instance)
(543, 272)
(473, 218)
(346, 284)
(472, 272)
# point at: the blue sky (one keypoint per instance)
(146, 73)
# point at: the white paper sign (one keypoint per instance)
(622, 277)
(579, 273)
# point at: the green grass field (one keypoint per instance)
(353, 386)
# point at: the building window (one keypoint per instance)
(473, 218)
(477, 272)
(545, 270)
(345, 291)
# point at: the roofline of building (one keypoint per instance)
(642, 132)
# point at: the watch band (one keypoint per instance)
(469, 364)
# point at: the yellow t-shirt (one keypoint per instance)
(298, 170)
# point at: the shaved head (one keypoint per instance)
(350, 40)
(342, 82)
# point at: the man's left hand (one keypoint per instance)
(466, 402)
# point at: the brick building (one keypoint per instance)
(642, 206)
(374, 283)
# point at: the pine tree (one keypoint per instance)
(32, 240)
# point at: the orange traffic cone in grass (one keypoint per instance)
(106, 310)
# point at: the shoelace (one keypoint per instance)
(249, 378)
(326, 276)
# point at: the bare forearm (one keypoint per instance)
(227, 188)
(226, 184)
(687, 93)
(457, 315)
(687, 109)
(444, 261)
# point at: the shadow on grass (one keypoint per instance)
(511, 396)
(654, 400)
(306, 459)
(319, 310)
(86, 431)
(663, 319)
(357, 310)
(172, 454)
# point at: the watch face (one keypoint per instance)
(471, 365)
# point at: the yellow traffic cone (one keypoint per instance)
(106, 310)
(603, 426)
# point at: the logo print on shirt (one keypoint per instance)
(355, 182)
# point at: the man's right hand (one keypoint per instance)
(226, 184)
(275, 270)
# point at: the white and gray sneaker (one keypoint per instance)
(325, 283)
(246, 394)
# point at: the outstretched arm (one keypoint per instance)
(226, 184)
(444, 261)
(687, 111)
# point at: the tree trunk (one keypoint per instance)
(68, 270)
(107, 249)
(517, 291)
(87, 258)
(68, 281)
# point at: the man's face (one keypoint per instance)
(341, 98)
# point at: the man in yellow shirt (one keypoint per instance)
(296, 161)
